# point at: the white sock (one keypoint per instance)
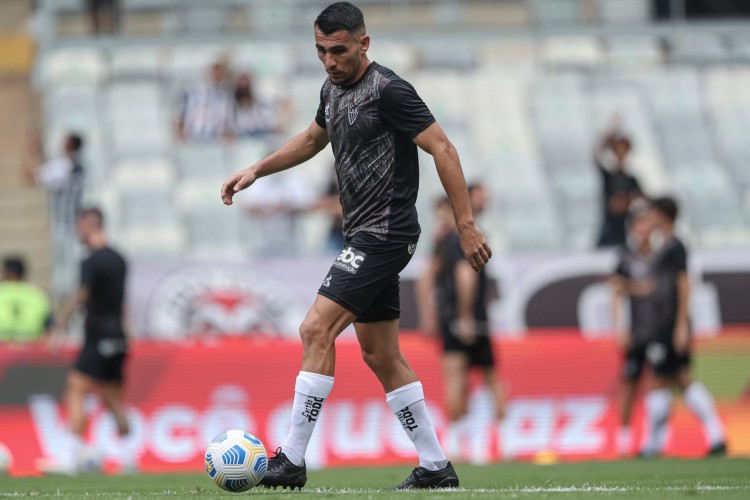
(408, 404)
(624, 439)
(658, 404)
(700, 402)
(310, 392)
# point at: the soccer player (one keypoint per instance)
(631, 280)
(374, 120)
(453, 300)
(619, 187)
(666, 291)
(100, 362)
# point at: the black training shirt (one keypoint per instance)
(103, 275)
(449, 254)
(371, 125)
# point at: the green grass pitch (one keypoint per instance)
(634, 479)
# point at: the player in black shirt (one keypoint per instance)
(660, 291)
(619, 188)
(374, 121)
(453, 301)
(632, 281)
(100, 362)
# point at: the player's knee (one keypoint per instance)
(314, 336)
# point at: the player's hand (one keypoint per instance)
(623, 339)
(55, 341)
(236, 183)
(474, 246)
(466, 330)
(681, 338)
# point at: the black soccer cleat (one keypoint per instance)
(282, 472)
(717, 450)
(421, 478)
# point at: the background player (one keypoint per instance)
(453, 300)
(619, 188)
(100, 362)
(670, 350)
(631, 281)
(374, 121)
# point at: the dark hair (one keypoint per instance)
(92, 212)
(15, 266)
(667, 206)
(76, 141)
(340, 16)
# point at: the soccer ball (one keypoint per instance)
(236, 460)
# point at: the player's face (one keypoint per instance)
(343, 54)
(84, 228)
(640, 229)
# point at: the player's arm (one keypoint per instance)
(68, 309)
(682, 323)
(298, 149)
(466, 297)
(473, 244)
(425, 297)
(618, 294)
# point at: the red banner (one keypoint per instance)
(562, 402)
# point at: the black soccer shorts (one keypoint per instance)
(479, 351)
(364, 278)
(103, 359)
(661, 356)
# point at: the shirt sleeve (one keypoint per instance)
(403, 109)
(320, 116)
(54, 174)
(678, 258)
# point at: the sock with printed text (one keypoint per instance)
(310, 392)
(408, 404)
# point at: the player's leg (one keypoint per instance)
(404, 394)
(632, 370)
(658, 406)
(78, 385)
(324, 322)
(701, 403)
(455, 390)
(489, 376)
(112, 396)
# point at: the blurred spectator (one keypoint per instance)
(63, 178)
(277, 201)
(619, 188)
(104, 16)
(453, 302)
(206, 108)
(256, 115)
(330, 204)
(24, 308)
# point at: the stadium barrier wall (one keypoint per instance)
(172, 300)
(562, 402)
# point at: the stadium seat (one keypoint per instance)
(633, 51)
(136, 62)
(86, 66)
(624, 11)
(550, 12)
(137, 118)
(400, 57)
(571, 51)
(262, 59)
(203, 160)
(698, 48)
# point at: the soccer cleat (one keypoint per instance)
(282, 472)
(718, 450)
(421, 478)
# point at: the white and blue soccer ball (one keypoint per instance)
(236, 460)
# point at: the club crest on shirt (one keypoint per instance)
(353, 112)
(328, 111)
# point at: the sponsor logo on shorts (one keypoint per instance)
(350, 260)
(327, 281)
(656, 353)
(406, 418)
(411, 248)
